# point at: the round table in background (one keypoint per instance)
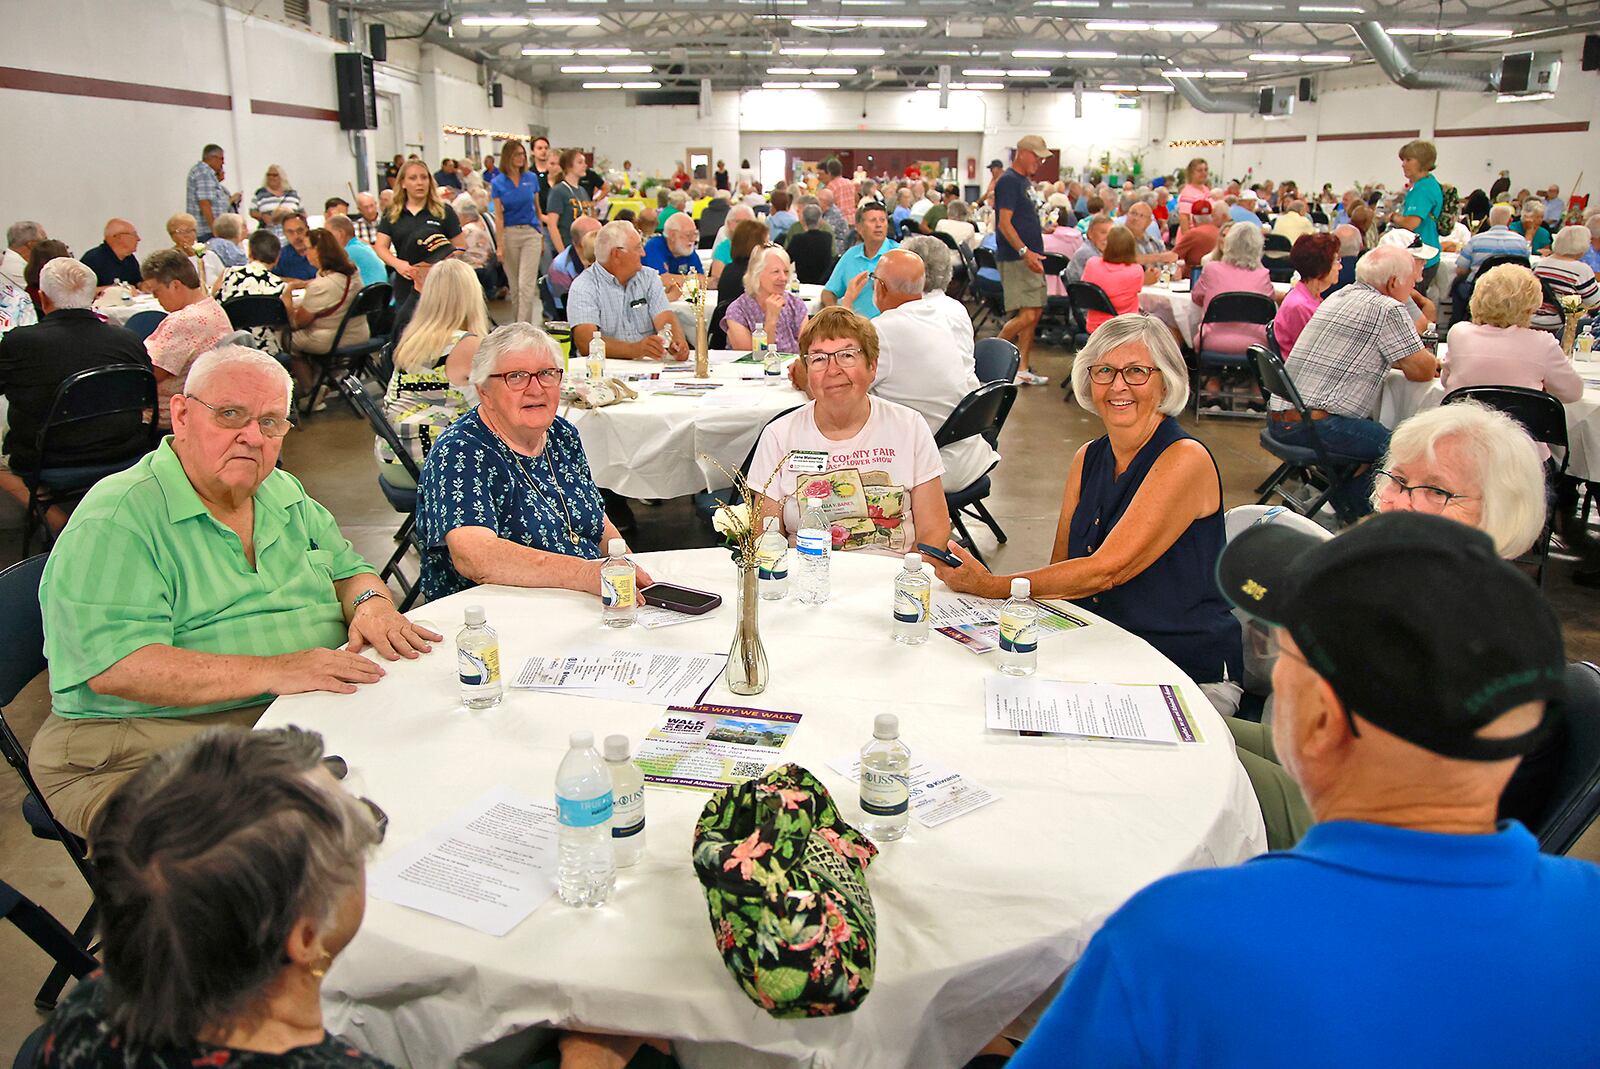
(976, 918)
(1173, 304)
(119, 312)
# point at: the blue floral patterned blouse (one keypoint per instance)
(473, 479)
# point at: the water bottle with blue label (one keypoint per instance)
(1019, 631)
(478, 661)
(586, 866)
(885, 781)
(913, 599)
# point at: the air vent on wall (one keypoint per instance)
(297, 11)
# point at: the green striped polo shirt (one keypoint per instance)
(142, 561)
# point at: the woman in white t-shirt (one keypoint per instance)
(871, 464)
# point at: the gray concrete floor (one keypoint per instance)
(333, 456)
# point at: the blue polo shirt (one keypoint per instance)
(517, 199)
(1365, 945)
(365, 257)
(1016, 193)
(292, 265)
(658, 255)
(852, 263)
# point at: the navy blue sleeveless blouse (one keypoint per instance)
(1174, 604)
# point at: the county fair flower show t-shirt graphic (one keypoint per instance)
(864, 507)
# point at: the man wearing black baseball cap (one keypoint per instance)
(1407, 927)
(425, 251)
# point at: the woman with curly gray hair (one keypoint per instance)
(1141, 518)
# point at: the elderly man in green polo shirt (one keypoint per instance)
(196, 585)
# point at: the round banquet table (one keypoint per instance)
(1401, 398)
(653, 446)
(976, 917)
(1172, 304)
(119, 311)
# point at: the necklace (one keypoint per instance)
(561, 499)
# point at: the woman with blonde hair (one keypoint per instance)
(767, 303)
(185, 234)
(275, 201)
(429, 389)
(416, 212)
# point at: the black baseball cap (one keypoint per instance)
(996, 163)
(431, 248)
(1415, 622)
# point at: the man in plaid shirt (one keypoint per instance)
(205, 197)
(1339, 362)
(366, 219)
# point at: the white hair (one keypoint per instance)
(1349, 239)
(466, 208)
(614, 235)
(514, 338)
(680, 220)
(1242, 247)
(229, 226)
(1504, 458)
(226, 359)
(20, 233)
(68, 283)
(677, 198)
(935, 256)
(1500, 213)
(1382, 266)
(758, 262)
(1571, 241)
(1531, 206)
(738, 214)
(1135, 328)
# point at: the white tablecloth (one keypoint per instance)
(1176, 308)
(119, 312)
(652, 447)
(1401, 398)
(976, 918)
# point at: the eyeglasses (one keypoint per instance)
(1431, 499)
(234, 418)
(1133, 374)
(519, 380)
(380, 819)
(844, 358)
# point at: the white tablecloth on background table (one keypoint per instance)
(119, 312)
(652, 447)
(1176, 308)
(1401, 398)
(975, 918)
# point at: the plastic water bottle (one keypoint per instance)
(627, 810)
(1019, 631)
(812, 546)
(597, 358)
(772, 561)
(585, 866)
(665, 334)
(1585, 342)
(885, 781)
(478, 662)
(913, 598)
(619, 601)
(758, 344)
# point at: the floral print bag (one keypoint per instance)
(785, 882)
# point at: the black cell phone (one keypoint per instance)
(680, 598)
(944, 556)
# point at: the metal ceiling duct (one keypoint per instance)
(1214, 103)
(1401, 67)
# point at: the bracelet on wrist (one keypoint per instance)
(366, 596)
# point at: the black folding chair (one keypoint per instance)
(1275, 257)
(51, 936)
(1087, 297)
(114, 404)
(1057, 309)
(371, 302)
(1232, 307)
(1320, 472)
(257, 311)
(996, 360)
(1545, 420)
(21, 660)
(401, 499)
(990, 293)
(1575, 794)
(143, 324)
(981, 412)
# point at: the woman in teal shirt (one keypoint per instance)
(1424, 201)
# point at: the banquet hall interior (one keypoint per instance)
(1289, 207)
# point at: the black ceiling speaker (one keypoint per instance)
(497, 95)
(1591, 52)
(1307, 93)
(378, 41)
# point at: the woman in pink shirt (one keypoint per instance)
(1316, 258)
(1237, 270)
(1499, 348)
(1116, 270)
(1195, 187)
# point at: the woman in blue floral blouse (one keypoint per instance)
(506, 495)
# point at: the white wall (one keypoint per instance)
(1364, 99)
(74, 161)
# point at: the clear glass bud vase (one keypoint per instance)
(747, 658)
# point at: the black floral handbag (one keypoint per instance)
(785, 881)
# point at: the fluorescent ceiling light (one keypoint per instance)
(824, 24)
(1320, 10)
(1185, 27)
(1274, 57)
(870, 22)
(1247, 7)
(605, 51)
(1096, 26)
(983, 72)
(788, 70)
(1480, 33)
(641, 85)
(564, 20)
(1119, 89)
(1039, 53)
(1028, 74)
(842, 72)
(1183, 74)
(869, 3)
(802, 51)
(819, 85)
(602, 85)
(547, 51)
(1512, 98)
(583, 70)
(1156, 89)
(1067, 3)
(855, 52)
(1428, 31)
(494, 20)
(1084, 55)
(1325, 57)
(624, 68)
(1227, 74)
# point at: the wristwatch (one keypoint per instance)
(365, 596)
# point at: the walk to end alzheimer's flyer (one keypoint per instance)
(710, 747)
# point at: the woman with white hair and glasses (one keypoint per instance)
(1141, 519)
(767, 303)
(506, 495)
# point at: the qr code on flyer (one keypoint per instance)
(748, 769)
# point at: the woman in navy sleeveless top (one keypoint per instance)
(1141, 518)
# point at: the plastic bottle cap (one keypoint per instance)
(474, 615)
(617, 548)
(1021, 588)
(581, 740)
(886, 726)
(616, 747)
(770, 523)
(913, 562)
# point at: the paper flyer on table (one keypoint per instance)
(1138, 712)
(975, 622)
(709, 747)
(646, 676)
(938, 794)
(487, 867)
(653, 616)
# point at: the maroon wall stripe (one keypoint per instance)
(1375, 135)
(1500, 131)
(292, 111)
(73, 85)
(1268, 140)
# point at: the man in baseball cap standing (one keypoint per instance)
(1019, 251)
(1407, 927)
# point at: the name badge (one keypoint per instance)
(808, 461)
